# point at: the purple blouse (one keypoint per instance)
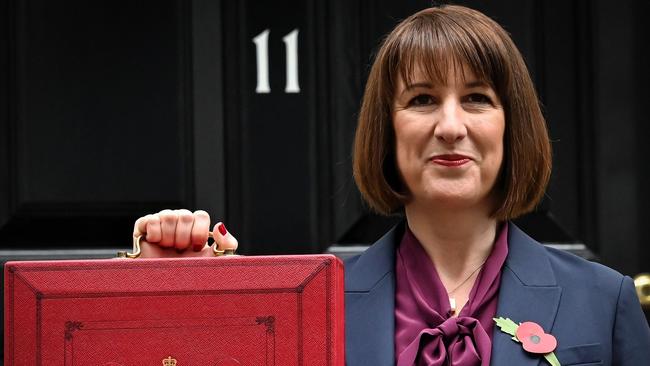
(425, 332)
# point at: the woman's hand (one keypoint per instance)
(175, 233)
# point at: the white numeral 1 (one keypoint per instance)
(262, 48)
(262, 52)
(291, 47)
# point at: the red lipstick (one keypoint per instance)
(451, 160)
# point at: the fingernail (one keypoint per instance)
(222, 229)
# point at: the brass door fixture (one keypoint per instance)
(642, 284)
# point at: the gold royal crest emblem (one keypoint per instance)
(169, 361)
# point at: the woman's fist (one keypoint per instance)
(180, 230)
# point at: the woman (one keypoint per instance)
(451, 134)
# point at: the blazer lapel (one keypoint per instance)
(370, 303)
(528, 292)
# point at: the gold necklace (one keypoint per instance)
(452, 300)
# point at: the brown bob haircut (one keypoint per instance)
(436, 41)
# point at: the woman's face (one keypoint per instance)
(449, 140)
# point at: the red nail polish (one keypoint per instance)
(222, 229)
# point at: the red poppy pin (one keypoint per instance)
(532, 338)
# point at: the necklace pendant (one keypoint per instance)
(452, 305)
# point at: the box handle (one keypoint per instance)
(136, 249)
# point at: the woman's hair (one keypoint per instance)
(437, 41)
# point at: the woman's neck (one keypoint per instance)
(456, 240)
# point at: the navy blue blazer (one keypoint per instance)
(592, 310)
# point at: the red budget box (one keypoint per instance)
(282, 310)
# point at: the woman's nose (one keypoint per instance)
(450, 126)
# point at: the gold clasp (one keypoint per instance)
(137, 251)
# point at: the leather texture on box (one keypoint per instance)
(282, 310)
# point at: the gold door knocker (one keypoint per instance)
(642, 284)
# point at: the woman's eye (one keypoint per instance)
(421, 100)
(477, 98)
